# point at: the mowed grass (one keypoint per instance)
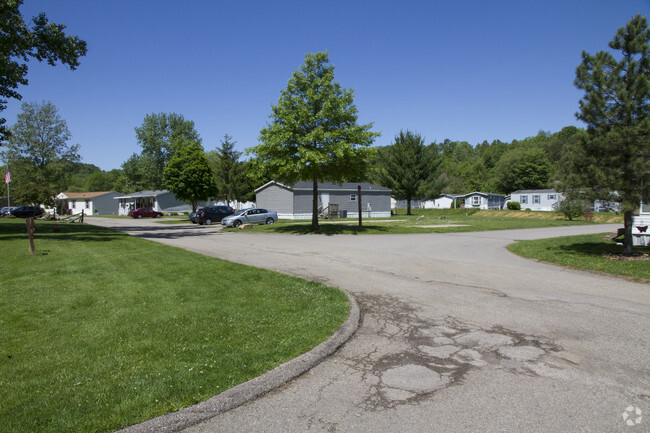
(100, 330)
(434, 221)
(589, 252)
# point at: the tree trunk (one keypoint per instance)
(314, 207)
(408, 206)
(627, 239)
(30, 233)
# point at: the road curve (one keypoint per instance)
(456, 335)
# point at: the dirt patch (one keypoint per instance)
(633, 258)
(433, 226)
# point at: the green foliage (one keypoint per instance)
(513, 205)
(612, 160)
(38, 155)
(159, 136)
(43, 40)
(141, 174)
(230, 178)
(523, 169)
(188, 174)
(572, 208)
(313, 134)
(409, 168)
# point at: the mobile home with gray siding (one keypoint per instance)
(295, 201)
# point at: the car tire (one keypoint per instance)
(208, 221)
(158, 216)
(269, 220)
(236, 223)
(139, 217)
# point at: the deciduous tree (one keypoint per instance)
(313, 134)
(188, 175)
(159, 136)
(41, 40)
(38, 153)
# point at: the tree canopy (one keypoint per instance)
(187, 174)
(230, 177)
(160, 135)
(313, 134)
(38, 153)
(409, 168)
(611, 161)
(41, 40)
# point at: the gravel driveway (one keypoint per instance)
(456, 335)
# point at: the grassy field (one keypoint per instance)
(100, 330)
(435, 221)
(591, 252)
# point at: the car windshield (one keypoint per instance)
(239, 212)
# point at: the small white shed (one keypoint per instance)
(640, 226)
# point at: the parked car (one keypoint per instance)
(5, 211)
(192, 216)
(145, 212)
(213, 214)
(250, 216)
(26, 211)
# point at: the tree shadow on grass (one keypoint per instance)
(48, 230)
(330, 229)
(597, 249)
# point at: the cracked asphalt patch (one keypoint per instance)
(420, 356)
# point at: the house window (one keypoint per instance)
(353, 197)
(523, 199)
(476, 200)
(73, 204)
(536, 199)
(87, 204)
(551, 197)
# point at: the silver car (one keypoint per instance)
(250, 216)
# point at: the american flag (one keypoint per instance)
(7, 176)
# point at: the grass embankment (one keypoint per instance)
(589, 252)
(100, 330)
(436, 221)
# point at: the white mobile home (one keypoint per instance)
(482, 200)
(537, 199)
(90, 203)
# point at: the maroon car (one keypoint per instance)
(144, 212)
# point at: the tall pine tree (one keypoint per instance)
(612, 160)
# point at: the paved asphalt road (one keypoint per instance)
(456, 335)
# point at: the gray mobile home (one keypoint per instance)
(295, 201)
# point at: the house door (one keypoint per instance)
(325, 199)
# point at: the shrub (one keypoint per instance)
(513, 205)
(571, 208)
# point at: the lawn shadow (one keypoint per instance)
(598, 248)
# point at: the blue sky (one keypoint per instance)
(463, 70)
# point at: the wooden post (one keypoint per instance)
(82, 216)
(30, 233)
(359, 201)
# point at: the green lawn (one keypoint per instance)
(591, 252)
(100, 330)
(434, 221)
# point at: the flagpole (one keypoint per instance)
(7, 180)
